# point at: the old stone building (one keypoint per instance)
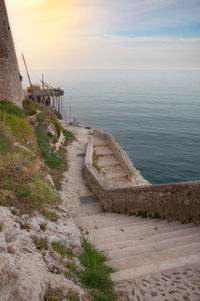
(10, 84)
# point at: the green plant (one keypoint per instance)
(95, 275)
(71, 266)
(59, 295)
(62, 250)
(11, 108)
(51, 215)
(51, 159)
(1, 227)
(95, 158)
(23, 191)
(43, 226)
(68, 136)
(41, 243)
(72, 296)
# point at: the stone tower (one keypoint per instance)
(10, 84)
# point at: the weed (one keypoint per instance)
(24, 225)
(95, 158)
(51, 159)
(55, 270)
(58, 129)
(71, 266)
(10, 108)
(72, 296)
(40, 243)
(59, 248)
(95, 275)
(68, 136)
(51, 215)
(59, 295)
(1, 227)
(23, 191)
(43, 226)
(15, 211)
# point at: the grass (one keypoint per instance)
(96, 274)
(8, 107)
(41, 243)
(95, 158)
(60, 248)
(51, 159)
(59, 295)
(1, 227)
(43, 226)
(68, 136)
(50, 215)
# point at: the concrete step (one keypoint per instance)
(106, 220)
(155, 256)
(113, 172)
(155, 267)
(154, 246)
(103, 150)
(126, 226)
(138, 234)
(97, 141)
(118, 245)
(105, 161)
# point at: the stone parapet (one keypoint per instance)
(177, 201)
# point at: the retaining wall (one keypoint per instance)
(179, 201)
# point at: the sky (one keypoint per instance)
(106, 34)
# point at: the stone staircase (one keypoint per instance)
(152, 258)
(109, 167)
(137, 247)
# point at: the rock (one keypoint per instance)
(50, 181)
(24, 274)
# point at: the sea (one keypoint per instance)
(153, 114)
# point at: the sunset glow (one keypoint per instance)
(107, 34)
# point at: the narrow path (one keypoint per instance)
(153, 259)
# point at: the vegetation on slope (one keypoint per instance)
(23, 144)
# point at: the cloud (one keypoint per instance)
(190, 40)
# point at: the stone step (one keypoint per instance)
(105, 220)
(137, 234)
(118, 245)
(103, 150)
(155, 256)
(113, 172)
(155, 267)
(153, 246)
(105, 161)
(97, 141)
(126, 226)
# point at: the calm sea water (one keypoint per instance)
(153, 115)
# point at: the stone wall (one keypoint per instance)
(180, 201)
(123, 158)
(10, 85)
